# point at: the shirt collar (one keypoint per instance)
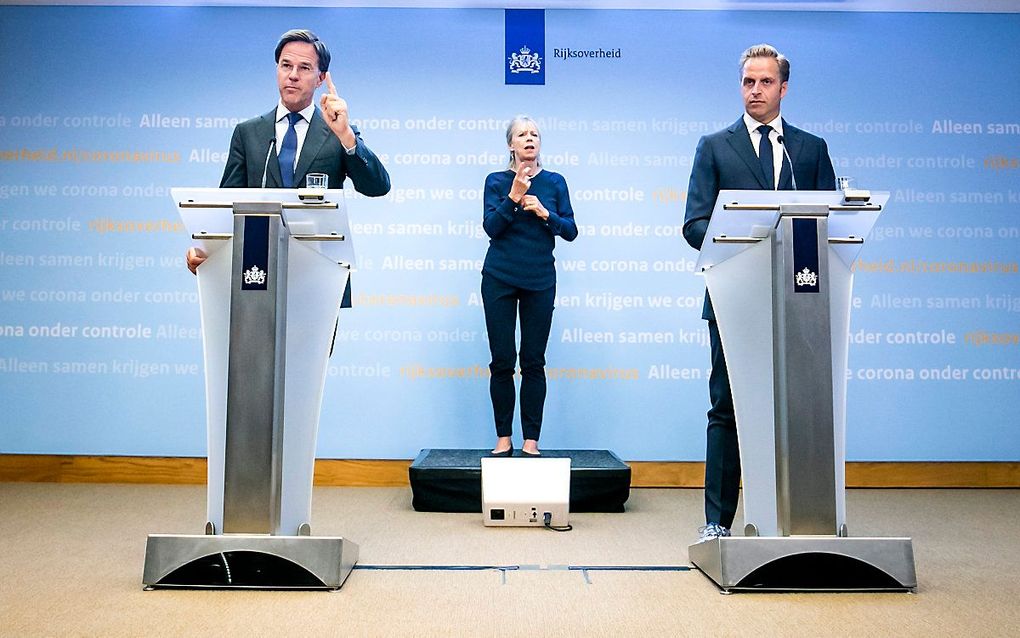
(306, 113)
(753, 124)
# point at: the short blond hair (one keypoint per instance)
(767, 51)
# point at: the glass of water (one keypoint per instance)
(317, 181)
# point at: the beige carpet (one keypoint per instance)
(71, 561)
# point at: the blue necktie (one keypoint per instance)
(764, 155)
(288, 151)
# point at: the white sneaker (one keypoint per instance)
(712, 531)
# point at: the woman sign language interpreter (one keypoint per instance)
(525, 209)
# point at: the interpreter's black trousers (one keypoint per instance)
(503, 303)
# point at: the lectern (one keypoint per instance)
(269, 292)
(778, 265)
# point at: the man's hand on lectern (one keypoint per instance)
(334, 109)
(195, 257)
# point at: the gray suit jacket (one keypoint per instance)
(320, 153)
(726, 160)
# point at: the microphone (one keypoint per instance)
(269, 153)
(782, 145)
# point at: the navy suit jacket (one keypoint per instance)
(320, 153)
(726, 160)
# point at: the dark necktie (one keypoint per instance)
(288, 151)
(764, 155)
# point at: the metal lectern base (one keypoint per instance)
(246, 561)
(807, 563)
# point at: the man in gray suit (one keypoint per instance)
(278, 149)
(748, 155)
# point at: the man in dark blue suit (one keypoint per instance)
(746, 156)
(279, 149)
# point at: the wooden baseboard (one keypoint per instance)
(46, 468)
(50, 468)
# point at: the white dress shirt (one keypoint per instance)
(777, 151)
(300, 127)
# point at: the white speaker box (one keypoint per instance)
(525, 491)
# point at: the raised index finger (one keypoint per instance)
(329, 84)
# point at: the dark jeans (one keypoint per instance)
(722, 455)
(502, 303)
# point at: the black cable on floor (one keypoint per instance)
(549, 525)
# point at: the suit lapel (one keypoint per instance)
(741, 143)
(794, 143)
(266, 130)
(316, 136)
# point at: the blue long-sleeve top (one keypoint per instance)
(520, 244)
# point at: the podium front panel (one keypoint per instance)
(741, 291)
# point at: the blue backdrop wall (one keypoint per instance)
(103, 109)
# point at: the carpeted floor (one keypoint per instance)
(71, 559)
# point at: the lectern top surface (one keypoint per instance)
(218, 220)
(760, 223)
